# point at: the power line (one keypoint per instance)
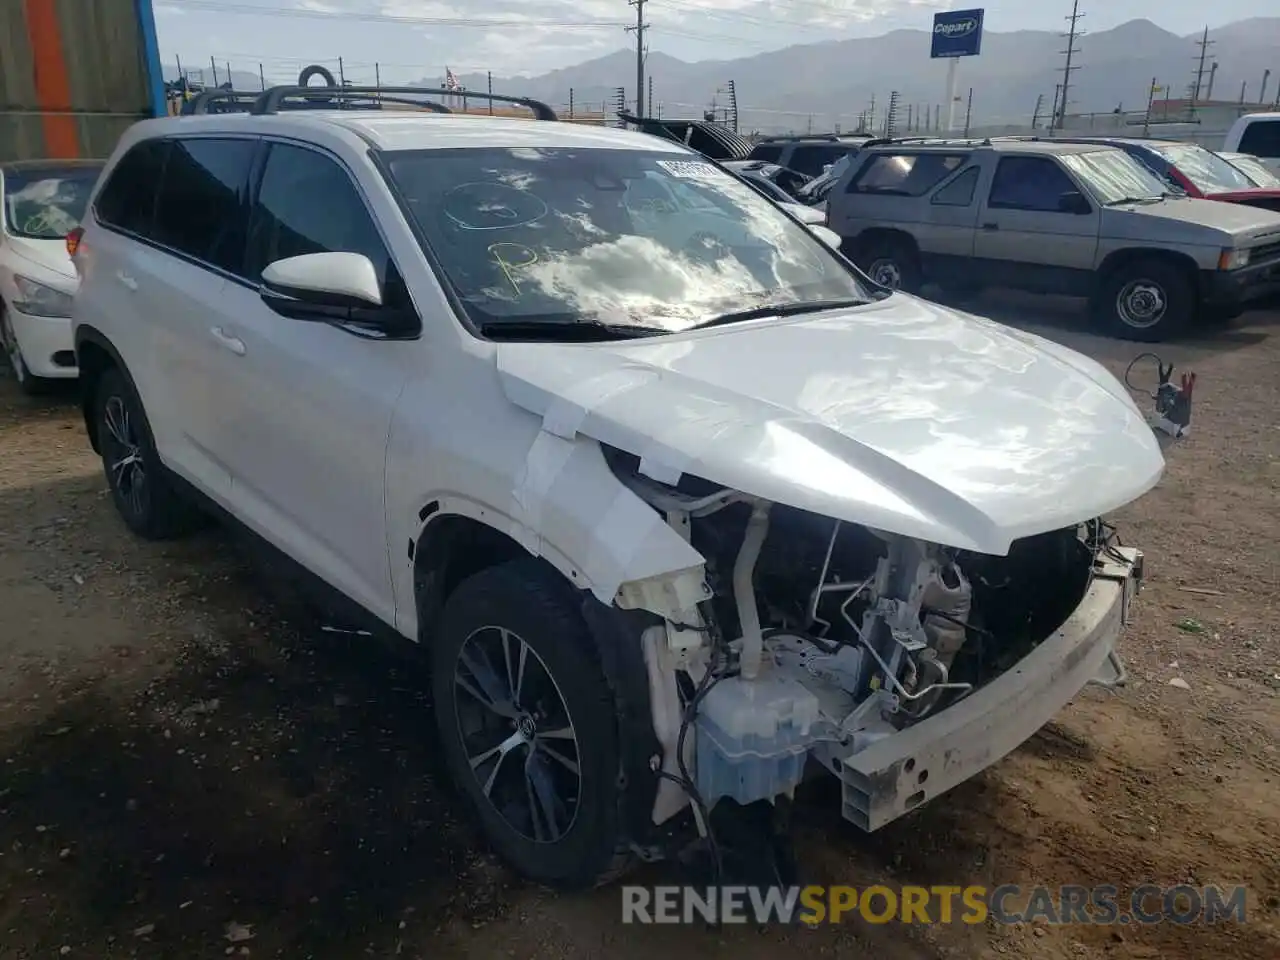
(219, 6)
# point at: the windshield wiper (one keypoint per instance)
(1147, 199)
(574, 331)
(790, 309)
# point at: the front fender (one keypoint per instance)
(567, 506)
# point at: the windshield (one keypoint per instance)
(46, 203)
(1256, 170)
(626, 238)
(1208, 171)
(1113, 176)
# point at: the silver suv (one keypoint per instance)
(1074, 219)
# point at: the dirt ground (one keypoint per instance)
(185, 774)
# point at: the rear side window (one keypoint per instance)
(810, 158)
(905, 174)
(959, 192)
(202, 209)
(127, 200)
(1261, 138)
(771, 152)
(307, 203)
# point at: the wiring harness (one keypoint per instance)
(1172, 403)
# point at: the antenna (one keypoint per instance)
(1072, 35)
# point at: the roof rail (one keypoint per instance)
(272, 100)
(209, 101)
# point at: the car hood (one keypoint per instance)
(902, 415)
(1185, 216)
(51, 255)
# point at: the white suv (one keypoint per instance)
(676, 497)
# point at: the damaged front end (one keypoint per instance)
(901, 667)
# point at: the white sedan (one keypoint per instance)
(44, 200)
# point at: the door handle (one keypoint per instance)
(126, 281)
(991, 226)
(234, 344)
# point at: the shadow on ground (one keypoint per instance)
(279, 782)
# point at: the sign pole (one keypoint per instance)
(953, 67)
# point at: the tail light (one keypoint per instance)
(73, 240)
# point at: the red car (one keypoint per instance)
(1194, 170)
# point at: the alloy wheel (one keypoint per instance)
(124, 455)
(517, 734)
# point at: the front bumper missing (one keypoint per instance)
(903, 771)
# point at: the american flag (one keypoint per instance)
(450, 81)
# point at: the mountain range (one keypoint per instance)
(834, 82)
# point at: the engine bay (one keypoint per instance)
(820, 638)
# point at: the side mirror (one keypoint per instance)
(334, 280)
(826, 235)
(336, 288)
(1073, 201)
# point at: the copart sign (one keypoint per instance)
(957, 34)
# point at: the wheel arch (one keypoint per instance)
(95, 354)
(454, 544)
(1119, 259)
(885, 234)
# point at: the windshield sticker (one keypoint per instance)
(511, 258)
(690, 169)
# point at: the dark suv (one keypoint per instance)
(809, 155)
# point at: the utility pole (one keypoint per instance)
(1204, 43)
(891, 115)
(1053, 114)
(571, 103)
(733, 104)
(1073, 34)
(1213, 75)
(490, 76)
(1266, 78)
(640, 29)
(968, 114)
(1035, 114)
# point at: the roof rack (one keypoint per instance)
(829, 137)
(211, 101)
(272, 101)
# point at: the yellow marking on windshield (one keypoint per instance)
(527, 258)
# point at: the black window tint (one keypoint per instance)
(308, 204)
(1029, 183)
(1261, 138)
(767, 151)
(809, 159)
(905, 174)
(959, 192)
(202, 208)
(128, 198)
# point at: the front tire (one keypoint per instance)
(528, 723)
(141, 488)
(1147, 301)
(28, 383)
(892, 263)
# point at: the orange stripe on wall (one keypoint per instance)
(53, 87)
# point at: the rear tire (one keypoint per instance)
(1146, 300)
(522, 742)
(141, 488)
(891, 262)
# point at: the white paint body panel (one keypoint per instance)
(39, 338)
(902, 415)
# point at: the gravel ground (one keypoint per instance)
(189, 773)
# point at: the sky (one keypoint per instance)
(411, 40)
